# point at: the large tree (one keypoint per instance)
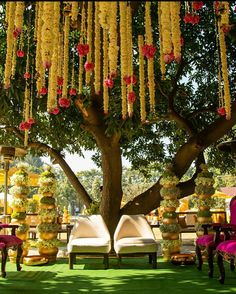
(184, 127)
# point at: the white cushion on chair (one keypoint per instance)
(134, 235)
(89, 235)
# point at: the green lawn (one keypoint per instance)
(134, 276)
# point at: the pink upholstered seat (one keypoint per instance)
(2, 245)
(10, 240)
(228, 247)
(208, 240)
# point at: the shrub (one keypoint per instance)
(18, 215)
(48, 227)
(48, 243)
(168, 244)
(170, 191)
(170, 228)
(23, 228)
(48, 213)
(170, 203)
(167, 214)
(47, 200)
(204, 213)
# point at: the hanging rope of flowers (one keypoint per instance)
(141, 80)
(66, 56)
(97, 51)
(113, 48)
(175, 29)
(161, 59)
(105, 71)
(81, 42)
(89, 65)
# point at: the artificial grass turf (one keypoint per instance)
(134, 276)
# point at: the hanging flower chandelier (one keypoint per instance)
(103, 52)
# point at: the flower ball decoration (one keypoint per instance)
(170, 228)
(204, 190)
(48, 227)
(66, 216)
(19, 191)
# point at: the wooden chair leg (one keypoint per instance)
(119, 260)
(220, 263)
(4, 260)
(210, 261)
(150, 258)
(106, 261)
(18, 257)
(232, 265)
(199, 257)
(154, 260)
(71, 260)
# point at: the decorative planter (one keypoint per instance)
(204, 220)
(47, 206)
(170, 209)
(47, 219)
(22, 236)
(169, 220)
(170, 236)
(204, 208)
(202, 196)
(49, 253)
(48, 235)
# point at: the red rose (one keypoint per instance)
(197, 5)
(72, 92)
(109, 83)
(43, 91)
(20, 53)
(24, 126)
(16, 32)
(113, 75)
(82, 49)
(59, 91)
(226, 28)
(31, 121)
(47, 64)
(149, 51)
(221, 111)
(131, 97)
(64, 102)
(27, 75)
(59, 81)
(55, 111)
(89, 66)
(195, 19)
(130, 80)
(178, 58)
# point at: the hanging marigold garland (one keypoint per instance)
(166, 28)
(123, 56)
(74, 10)
(105, 71)
(141, 80)
(161, 59)
(66, 55)
(20, 6)
(81, 42)
(113, 48)
(97, 53)
(149, 42)
(10, 44)
(175, 29)
(89, 65)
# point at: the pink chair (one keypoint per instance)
(211, 241)
(6, 242)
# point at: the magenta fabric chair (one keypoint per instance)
(6, 242)
(211, 241)
(226, 250)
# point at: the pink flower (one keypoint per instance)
(197, 5)
(89, 66)
(109, 83)
(59, 91)
(113, 75)
(54, 111)
(43, 91)
(20, 53)
(149, 51)
(221, 111)
(64, 102)
(72, 92)
(82, 49)
(27, 75)
(168, 58)
(24, 126)
(59, 81)
(31, 121)
(131, 97)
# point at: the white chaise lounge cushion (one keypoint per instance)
(135, 245)
(89, 235)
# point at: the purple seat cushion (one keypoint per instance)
(206, 240)
(10, 240)
(228, 247)
(2, 245)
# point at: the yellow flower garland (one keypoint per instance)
(175, 27)
(149, 41)
(162, 63)
(81, 67)
(13, 66)
(20, 6)
(104, 12)
(105, 71)
(7, 11)
(129, 55)
(225, 15)
(97, 51)
(89, 38)
(52, 83)
(224, 68)
(141, 80)
(38, 61)
(74, 10)
(113, 48)
(166, 27)
(123, 58)
(66, 55)
(10, 43)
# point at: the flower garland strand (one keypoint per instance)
(89, 65)
(123, 56)
(10, 45)
(52, 83)
(105, 71)
(175, 29)
(161, 60)
(74, 11)
(81, 41)
(149, 42)
(20, 6)
(166, 28)
(66, 56)
(97, 51)
(113, 48)
(141, 81)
